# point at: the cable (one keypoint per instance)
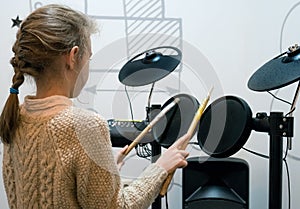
(286, 153)
(286, 166)
(279, 98)
(272, 101)
(131, 110)
(166, 195)
(166, 199)
(287, 172)
(288, 183)
(294, 108)
(256, 153)
(288, 175)
(143, 150)
(279, 55)
(193, 143)
(149, 109)
(150, 95)
(130, 105)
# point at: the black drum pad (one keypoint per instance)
(177, 120)
(224, 126)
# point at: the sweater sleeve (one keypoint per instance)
(98, 183)
(143, 191)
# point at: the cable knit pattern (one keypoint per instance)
(61, 157)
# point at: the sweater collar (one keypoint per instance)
(44, 107)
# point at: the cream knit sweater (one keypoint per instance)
(61, 157)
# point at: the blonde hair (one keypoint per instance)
(48, 32)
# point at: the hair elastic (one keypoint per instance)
(13, 91)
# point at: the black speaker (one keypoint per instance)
(215, 183)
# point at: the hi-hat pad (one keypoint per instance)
(224, 126)
(154, 66)
(278, 72)
(177, 120)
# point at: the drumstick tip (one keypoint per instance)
(210, 91)
(176, 100)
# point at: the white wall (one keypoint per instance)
(223, 43)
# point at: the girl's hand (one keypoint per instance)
(120, 157)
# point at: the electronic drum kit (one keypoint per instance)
(226, 123)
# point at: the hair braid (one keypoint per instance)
(10, 117)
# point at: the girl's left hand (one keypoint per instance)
(120, 157)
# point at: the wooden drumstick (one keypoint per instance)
(190, 132)
(150, 125)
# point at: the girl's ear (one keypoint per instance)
(71, 60)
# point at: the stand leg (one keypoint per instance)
(275, 164)
(155, 153)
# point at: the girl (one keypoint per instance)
(57, 155)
